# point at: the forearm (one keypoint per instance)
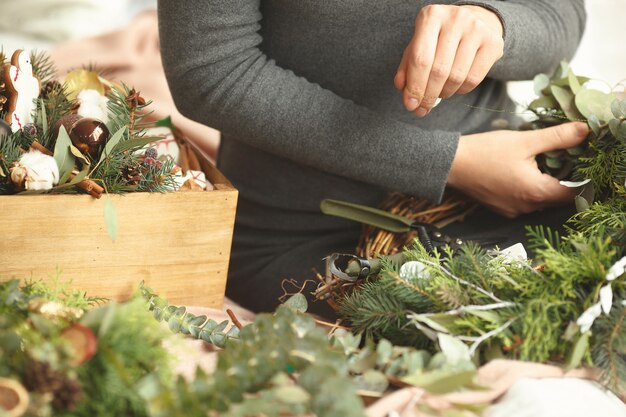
(219, 77)
(538, 34)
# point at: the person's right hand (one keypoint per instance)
(499, 169)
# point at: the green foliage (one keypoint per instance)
(180, 320)
(609, 351)
(251, 375)
(601, 158)
(129, 349)
(493, 302)
(62, 292)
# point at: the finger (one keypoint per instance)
(557, 137)
(399, 80)
(555, 193)
(465, 55)
(447, 46)
(483, 61)
(419, 62)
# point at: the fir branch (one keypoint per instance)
(43, 66)
(609, 348)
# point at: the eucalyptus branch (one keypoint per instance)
(180, 320)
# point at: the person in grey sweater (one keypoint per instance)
(335, 99)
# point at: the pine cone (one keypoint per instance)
(132, 174)
(41, 377)
(67, 397)
(49, 87)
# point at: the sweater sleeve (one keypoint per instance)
(538, 34)
(218, 76)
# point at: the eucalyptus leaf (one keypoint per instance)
(372, 381)
(554, 163)
(578, 351)
(455, 350)
(430, 323)
(621, 133)
(78, 154)
(595, 102)
(297, 302)
(566, 99)
(563, 70)
(574, 85)
(62, 154)
(575, 150)
(565, 82)
(616, 109)
(554, 154)
(77, 178)
(441, 381)
(622, 105)
(581, 203)
(110, 219)
(112, 143)
(292, 394)
(614, 127)
(134, 143)
(44, 118)
(64, 178)
(540, 82)
(594, 124)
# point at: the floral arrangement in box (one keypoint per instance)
(86, 135)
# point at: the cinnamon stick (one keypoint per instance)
(90, 186)
(39, 147)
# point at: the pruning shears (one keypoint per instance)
(429, 235)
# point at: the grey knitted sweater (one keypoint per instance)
(302, 91)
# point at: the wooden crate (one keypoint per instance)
(178, 243)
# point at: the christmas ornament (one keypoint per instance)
(23, 87)
(151, 153)
(167, 145)
(94, 105)
(30, 131)
(81, 79)
(89, 136)
(82, 339)
(67, 122)
(35, 171)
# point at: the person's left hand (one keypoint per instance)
(451, 52)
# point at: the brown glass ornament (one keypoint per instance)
(89, 135)
(67, 122)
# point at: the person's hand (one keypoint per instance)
(499, 169)
(451, 52)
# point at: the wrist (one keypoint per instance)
(487, 16)
(457, 168)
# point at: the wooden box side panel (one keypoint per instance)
(178, 243)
